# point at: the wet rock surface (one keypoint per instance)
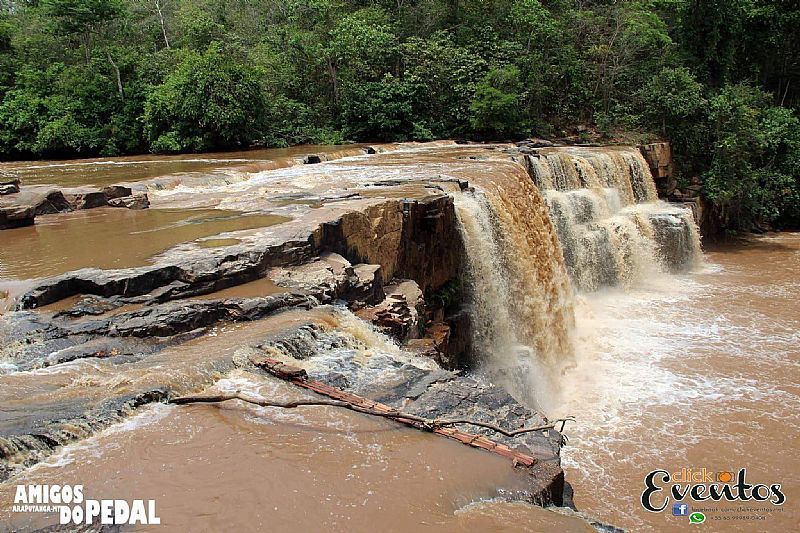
(28, 435)
(413, 241)
(131, 315)
(20, 207)
(399, 315)
(417, 386)
(134, 201)
(377, 255)
(34, 340)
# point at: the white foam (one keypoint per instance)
(100, 442)
(643, 375)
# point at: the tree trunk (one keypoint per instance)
(161, 21)
(116, 72)
(334, 82)
(86, 39)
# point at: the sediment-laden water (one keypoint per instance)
(612, 229)
(690, 371)
(586, 296)
(233, 466)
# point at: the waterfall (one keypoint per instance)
(611, 226)
(582, 217)
(520, 292)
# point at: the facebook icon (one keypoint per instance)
(680, 509)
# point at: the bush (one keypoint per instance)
(381, 110)
(208, 102)
(755, 158)
(496, 106)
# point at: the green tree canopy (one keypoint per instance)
(208, 101)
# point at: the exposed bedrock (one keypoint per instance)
(409, 239)
(396, 263)
(96, 326)
(20, 207)
(659, 158)
(29, 436)
(382, 260)
(412, 239)
(709, 218)
(331, 356)
(32, 340)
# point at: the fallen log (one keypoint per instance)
(346, 400)
(425, 423)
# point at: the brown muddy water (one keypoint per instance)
(254, 289)
(112, 170)
(111, 238)
(693, 371)
(237, 468)
(244, 468)
(663, 371)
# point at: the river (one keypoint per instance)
(587, 297)
(691, 371)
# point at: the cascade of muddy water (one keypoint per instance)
(521, 298)
(612, 229)
(588, 215)
(593, 220)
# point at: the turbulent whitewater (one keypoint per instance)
(469, 257)
(611, 226)
(582, 218)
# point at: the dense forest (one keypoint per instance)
(718, 78)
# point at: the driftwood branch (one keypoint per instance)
(426, 423)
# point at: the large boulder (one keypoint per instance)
(85, 198)
(15, 216)
(44, 200)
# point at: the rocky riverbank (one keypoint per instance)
(380, 254)
(374, 240)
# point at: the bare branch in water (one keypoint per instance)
(426, 423)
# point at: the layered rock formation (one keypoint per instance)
(378, 240)
(21, 206)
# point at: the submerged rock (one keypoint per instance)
(136, 201)
(30, 436)
(8, 186)
(16, 216)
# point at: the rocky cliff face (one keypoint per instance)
(388, 250)
(413, 239)
(659, 158)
